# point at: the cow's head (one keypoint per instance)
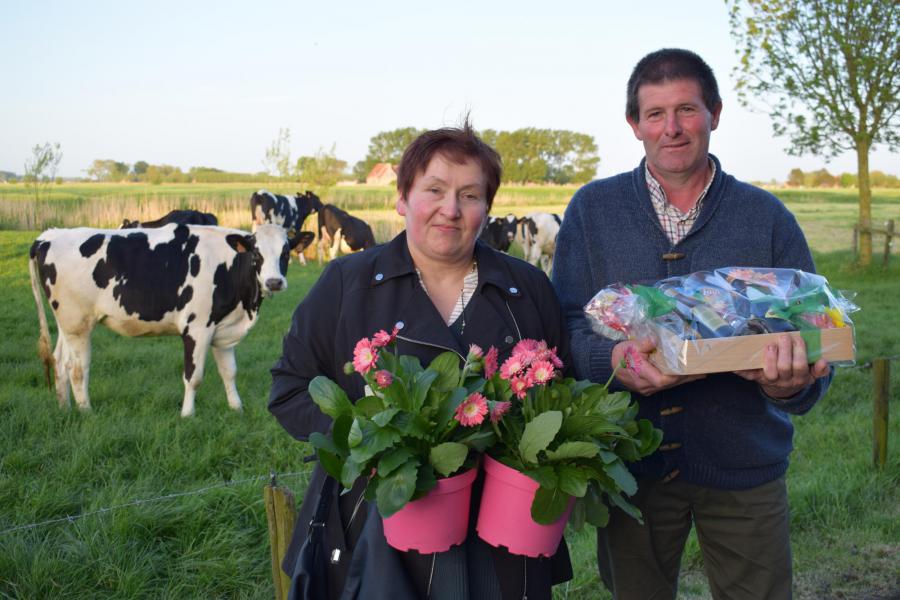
(126, 224)
(270, 250)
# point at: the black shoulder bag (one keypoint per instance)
(310, 578)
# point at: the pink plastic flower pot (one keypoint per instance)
(504, 518)
(435, 522)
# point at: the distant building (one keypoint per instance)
(382, 174)
(10, 176)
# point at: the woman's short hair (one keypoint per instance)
(458, 144)
(671, 64)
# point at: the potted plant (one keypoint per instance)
(561, 444)
(413, 435)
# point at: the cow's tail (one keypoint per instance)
(44, 341)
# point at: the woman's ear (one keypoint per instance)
(401, 206)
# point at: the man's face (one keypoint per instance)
(674, 125)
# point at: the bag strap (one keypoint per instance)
(321, 514)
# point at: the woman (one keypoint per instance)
(443, 290)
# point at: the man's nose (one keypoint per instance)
(673, 125)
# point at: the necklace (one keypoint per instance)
(470, 283)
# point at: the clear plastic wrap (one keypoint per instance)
(722, 320)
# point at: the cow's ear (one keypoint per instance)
(301, 239)
(240, 243)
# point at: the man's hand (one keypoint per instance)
(786, 370)
(639, 374)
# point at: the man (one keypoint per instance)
(727, 436)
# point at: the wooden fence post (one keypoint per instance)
(881, 370)
(888, 234)
(281, 514)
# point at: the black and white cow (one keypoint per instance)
(205, 284)
(499, 232)
(290, 213)
(184, 217)
(339, 231)
(537, 235)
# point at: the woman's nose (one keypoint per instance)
(450, 206)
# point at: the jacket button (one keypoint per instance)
(513, 290)
(508, 339)
(670, 446)
(379, 277)
(671, 476)
(672, 410)
(399, 324)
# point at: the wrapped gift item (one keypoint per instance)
(722, 320)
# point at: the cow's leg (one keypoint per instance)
(335, 244)
(61, 372)
(301, 260)
(78, 364)
(324, 239)
(196, 344)
(227, 371)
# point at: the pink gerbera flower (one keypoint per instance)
(633, 360)
(475, 351)
(541, 371)
(512, 366)
(472, 410)
(364, 356)
(498, 409)
(490, 362)
(383, 378)
(520, 384)
(383, 338)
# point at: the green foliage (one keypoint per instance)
(321, 171)
(533, 155)
(385, 147)
(408, 421)
(277, 160)
(41, 167)
(108, 170)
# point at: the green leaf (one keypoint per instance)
(385, 416)
(623, 478)
(595, 510)
(374, 440)
(449, 404)
(350, 472)
(330, 398)
(395, 490)
(341, 431)
(572, 480)
(548, 505)
(538, 434)
(421, 385)
(545, 476)
(323, 442)
(409, 425)
(447, 367)
(448, 457)
(355, 435)
(629, 509)
(393, 459)
(332, 464)
(479, 440)
(590, 425)
(369, 406)
(573, 450)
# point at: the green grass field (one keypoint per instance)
(173, 507)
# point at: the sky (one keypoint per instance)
(205, 83)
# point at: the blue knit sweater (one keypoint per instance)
(731, 435)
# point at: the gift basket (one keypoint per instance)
(722, 320)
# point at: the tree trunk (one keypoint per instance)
(865, 203)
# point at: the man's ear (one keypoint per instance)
(634, 127)
(716, 113)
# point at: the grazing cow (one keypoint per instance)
(342, 232)
(185, 217)
(290, 213)
(205, 284)
(537, 235)
(499, 232)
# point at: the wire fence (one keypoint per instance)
(868, 364)
(271, 477)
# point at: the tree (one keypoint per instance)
(795, 177)
(828, 71)
(385, 147)
(278, 155)
(40, 169)
(108, 170)
(321, 171)
(140, 167)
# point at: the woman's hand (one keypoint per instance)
(639, 374)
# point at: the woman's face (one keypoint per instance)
(445, 210)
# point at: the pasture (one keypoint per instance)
(162, 506)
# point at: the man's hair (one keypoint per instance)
(671, 64)
(458, 144)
